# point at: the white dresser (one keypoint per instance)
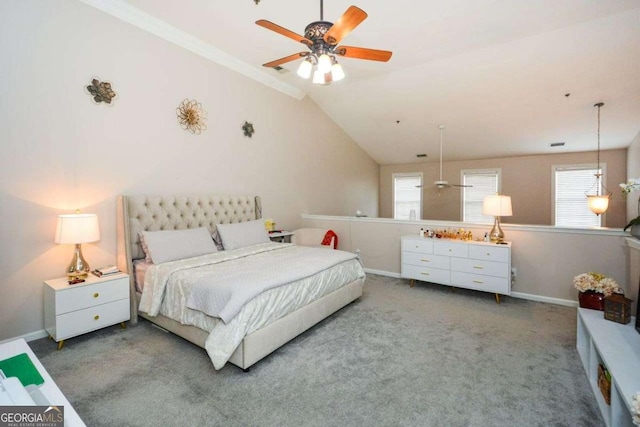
(465, 264)
(72, 310)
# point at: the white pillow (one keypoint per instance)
(171, 245)
(242, 234)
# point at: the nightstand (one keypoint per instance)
(72, 310)
(281, 236)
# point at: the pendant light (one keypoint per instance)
(599, 202)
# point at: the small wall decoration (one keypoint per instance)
(101, 91)
(191, 116)
(248, 129)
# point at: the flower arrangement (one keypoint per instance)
(635, 409)
(629, 186)
(596, 282)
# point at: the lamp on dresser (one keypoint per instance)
(497, 205)
(76, 229)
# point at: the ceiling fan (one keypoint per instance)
(440, 183)
(322, 38)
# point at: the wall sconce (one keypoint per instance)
(75, 229)
(497, 205)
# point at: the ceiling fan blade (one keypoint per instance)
(363, 53)
(461, 185)
(285, 59)
(347, 22)
(287, 33)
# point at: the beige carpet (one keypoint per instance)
(425, 356)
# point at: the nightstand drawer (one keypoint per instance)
(89, 319)
(71, 299)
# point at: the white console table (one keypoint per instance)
(616, 346)
(48, 392)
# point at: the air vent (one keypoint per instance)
(556, 144)
(421, 155)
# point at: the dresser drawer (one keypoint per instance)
(497, 285)
(71, 299)
(421, 245)
(451, 249)
(426, 260)
(89, 319)
(489, 253)
(476, 266)
(426, 274)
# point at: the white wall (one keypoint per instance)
(633, 171)
(61, 152)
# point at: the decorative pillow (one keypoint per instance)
(242, 234)
(171, 245)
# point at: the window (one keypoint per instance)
(483, 182)
(570, 185)
(406, 197)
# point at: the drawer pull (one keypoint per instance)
(96, 317)
(96, 295)
(479, 267)
(425, 260)
(478, 281)
(488, 253)
(417, 246)
(425, 274)
(450, 250)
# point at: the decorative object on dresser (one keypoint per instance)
(497, 205)
(617, 308)
(76, 229)
(191, 116)
(464, 264)
(594, 287)
(598, 202)
(100, 91)
(70, 311)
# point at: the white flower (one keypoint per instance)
(635, 409)
(596, 282)
(630, 185)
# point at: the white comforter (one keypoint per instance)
(168, 287)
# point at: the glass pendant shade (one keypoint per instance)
(324, 63)
(598, 204)
(337, 73)
(318, 77)
(304, 70)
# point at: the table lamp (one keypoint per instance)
(76, 229)
(496, 205)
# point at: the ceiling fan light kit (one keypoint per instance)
(441, 183)
(322, 38)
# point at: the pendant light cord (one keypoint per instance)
(598, 173)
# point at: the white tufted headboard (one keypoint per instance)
(177, 212)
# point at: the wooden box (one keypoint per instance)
(604, 383)
(617, 308)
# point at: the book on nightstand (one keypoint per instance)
(22, 367)
(106, 271)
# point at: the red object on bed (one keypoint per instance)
(327, 239)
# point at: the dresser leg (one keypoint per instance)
(497, 298)
(60, 344)
(123, 325)
(411, 283)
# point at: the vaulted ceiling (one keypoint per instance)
(506, 77)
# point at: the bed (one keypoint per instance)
(334, 288)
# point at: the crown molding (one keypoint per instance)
(134, 16)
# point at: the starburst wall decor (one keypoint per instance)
(191, 116)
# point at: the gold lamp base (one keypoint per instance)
(79, 268)
(496, 235)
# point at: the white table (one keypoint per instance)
(49, 389)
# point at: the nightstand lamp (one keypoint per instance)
(497, 205)
(76, 229)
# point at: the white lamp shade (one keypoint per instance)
(77, 228)
(304, 70)
(324, 63)
(337, 72)
(497, 205)
(318, 77)
(598, 204)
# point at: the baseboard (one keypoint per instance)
(29, 337)
(530, 297)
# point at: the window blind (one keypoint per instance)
(406, 196)
(483, 183)
(571, 186)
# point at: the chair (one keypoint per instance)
(316, 237)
